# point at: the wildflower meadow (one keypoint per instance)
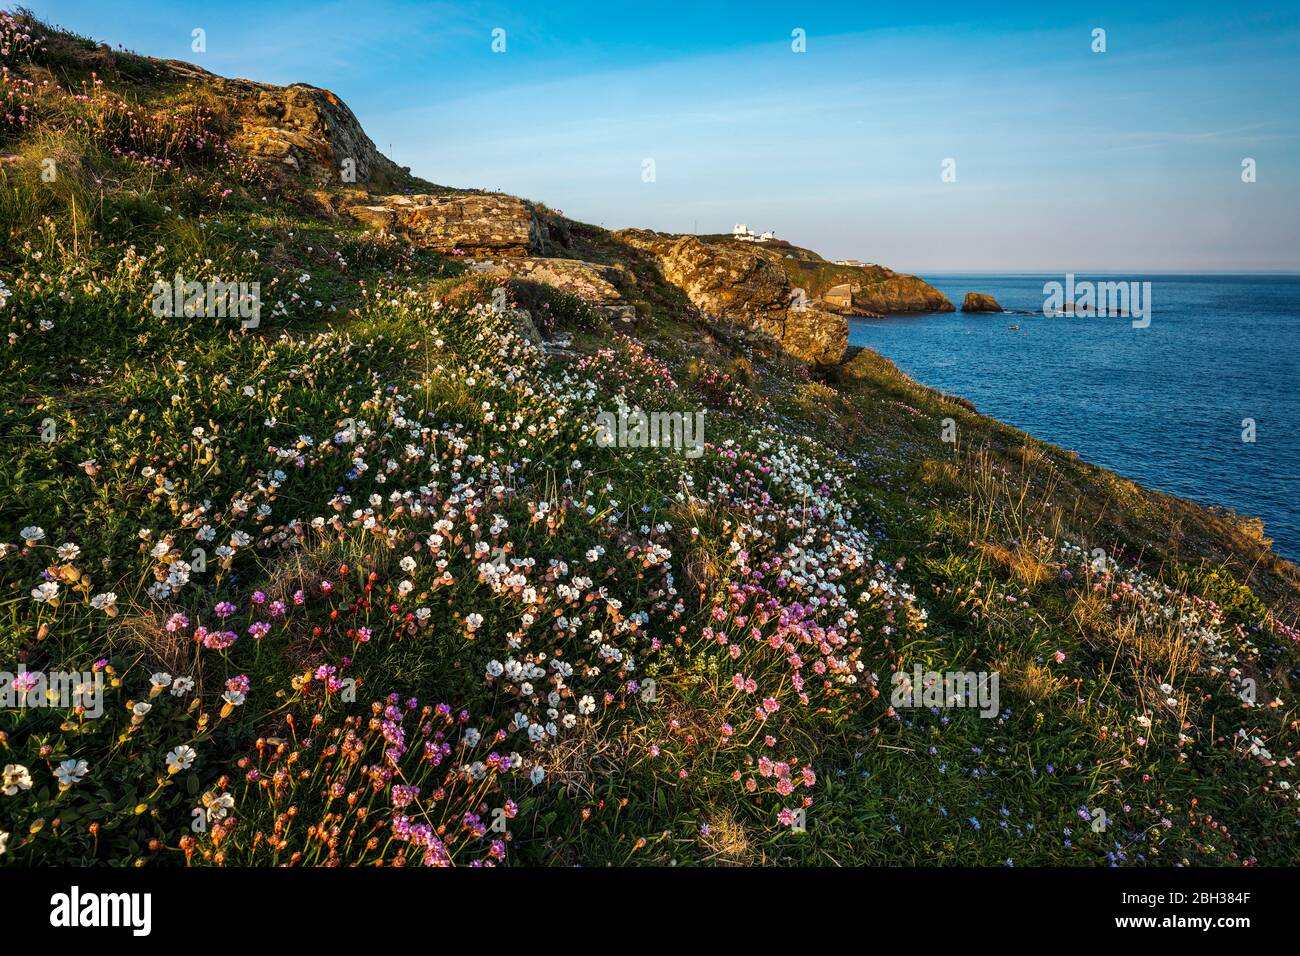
(363, 586)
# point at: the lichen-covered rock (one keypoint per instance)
(379, 218)
(481, 225)
(734, 282)
(900, 293)
(730, 282)
(593, 282)
(980, 302)
(811, 335)
(304, 128)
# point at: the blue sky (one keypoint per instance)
(1066, 160)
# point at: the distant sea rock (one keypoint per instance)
(980, 302)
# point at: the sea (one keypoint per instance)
(1202, 401)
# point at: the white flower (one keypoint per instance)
(70, 772)
(537, 776)
(161, 679)
(105, 601)
(182, 686)
(587, 704)
(32, 534)
(139, 710)
(16, 777)
(46, 593)
(233, 697)
(494, 669)
(473, 621)
(472, 737)
(68, 552)
(407, 564)
(218, 807)
(182, 758)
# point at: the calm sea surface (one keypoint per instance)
(1162, 405)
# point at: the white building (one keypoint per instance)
(743, 233)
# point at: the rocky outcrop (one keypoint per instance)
(313, 131)
(480, 225)
(900, 293)
(980, 302)
(809, 334)
(593, 282)
(859, 290)
(735, 282)
(304, 128)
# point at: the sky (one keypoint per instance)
(1062, 159)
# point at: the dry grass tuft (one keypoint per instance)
(1031, 680)
(163, 649)
(726, 839)
(1022, 563)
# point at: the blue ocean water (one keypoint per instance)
(1162, 405)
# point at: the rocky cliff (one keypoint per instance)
(307, 130)
(790, 294)
(733, 282)
(476, 224)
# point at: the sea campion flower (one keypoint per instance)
(158, 683)
(217, 807)
(47, 593)
(70, 773)
(16, 777)
(182, 758)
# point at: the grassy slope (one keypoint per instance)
(826, 516)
